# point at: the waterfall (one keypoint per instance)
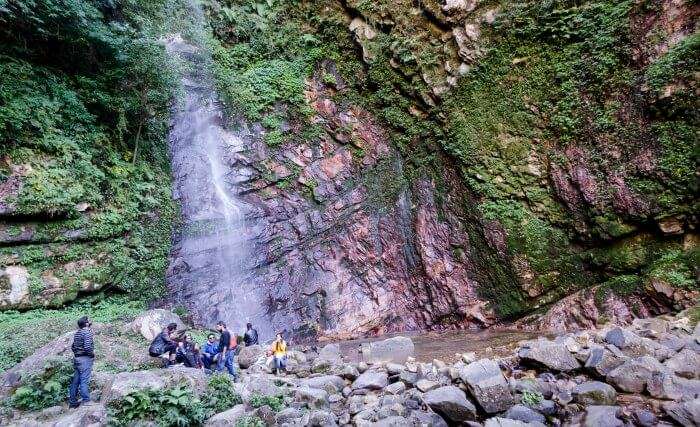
(210, 266)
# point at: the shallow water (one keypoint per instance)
(449, 345)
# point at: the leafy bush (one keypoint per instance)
(220, 396)
(276, 403)
(174, 407)
(531, 398)
(250, 421)
(46, 388)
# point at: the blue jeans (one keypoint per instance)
(226, 361)
(81, 379)
(280, 362)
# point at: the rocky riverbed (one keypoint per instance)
(645, 374)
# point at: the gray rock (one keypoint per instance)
(602, 416)
(552, 355)
(408, 378)
(124, 383)
(685, 413)
(394, 368)
(330, 383)
(395, 388)
(425, 385)
(350, 372)
(227, 418)
(396, 349)
(356, 404)
(488, 385)
(617, 337)
(87, 415)
(314, 398)
(685, 364)
(645, 418)
(507, 422)
(287, 415)
(151, 323)
(525, 414)
(594, 393)
(322, 419)
(330, 353)
(393, 421)
(665, 385)
(450, 402)
(601, 361)
(371, 380)
(249, 355)
(633, 375)
(673, 342)
(545, 406)
(427, 419)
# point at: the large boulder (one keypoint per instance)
(330, 383)
(124, 383)
(152, 322)
(488, 385)
(552, 355)
(685, 364)
(371, 380)
(314, 398)
(665, 385)
(602, 416)
(227, 418)
(633, 375)
(594, 393)
(89, 415)
(250, 355)
(451, 403)
(396, 349)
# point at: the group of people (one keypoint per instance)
(213, 355)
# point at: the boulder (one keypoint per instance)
(426, 385)
(151, 323)
(601, 361)
(665, 385)
(395, 388)
(322, 419)
(124, 383)
(685, 364)
(602, 416)
(314, 398)
(87, 415)
(392, 421)
(396, 349)
(371, 380)
(507, 422)
(329, 383)
(288, 415)
(488, 385)
(684, 413)
(423, 418)
(330, 353)
(549, 354)
(250, 355)
(594, 393)
(633, 375)
(524, 414)
(450, 402)
(644, 418)
(227, 418)
(350, 372)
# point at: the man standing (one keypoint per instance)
(84, 356)
(251, 335)
(227, 346)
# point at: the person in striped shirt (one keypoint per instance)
(83, 358)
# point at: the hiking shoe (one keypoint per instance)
(73, 405)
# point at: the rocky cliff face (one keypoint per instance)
(463, 163)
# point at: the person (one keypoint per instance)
(279, 353)
(83, 358)
(227, 347)
(210, 349)
(163, 343)
(187, 353)
(251, 335)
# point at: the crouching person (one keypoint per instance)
(279, 354)
(163, 343)
(83, 358)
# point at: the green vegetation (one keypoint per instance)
(35, 328)
(219, 396)
(45, 389)
(276, 403)
(531, 398)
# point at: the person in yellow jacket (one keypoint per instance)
(279, 353)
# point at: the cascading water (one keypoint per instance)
(210, 266)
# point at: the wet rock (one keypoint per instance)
(594, 393)
(684, 413)
(488, 385)
(227, 418)
(314, 398)
(330, 383)
(151, 323)
(645, 418)
(371, 380)
(553, 356)
(396, 349)
(633, 375)
(249, 355)
(685, 364)
(451, 402)
(602, 416)
(525, 414)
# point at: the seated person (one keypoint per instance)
(163, 343)
(210, 350)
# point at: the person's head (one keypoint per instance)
(249, 326)
(171, 327)
(84, 322)
(188, 338)
(211, 338)
(220, 325)
(278, 337)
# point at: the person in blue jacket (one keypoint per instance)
(209, 350)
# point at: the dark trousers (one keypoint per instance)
(81, 379)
